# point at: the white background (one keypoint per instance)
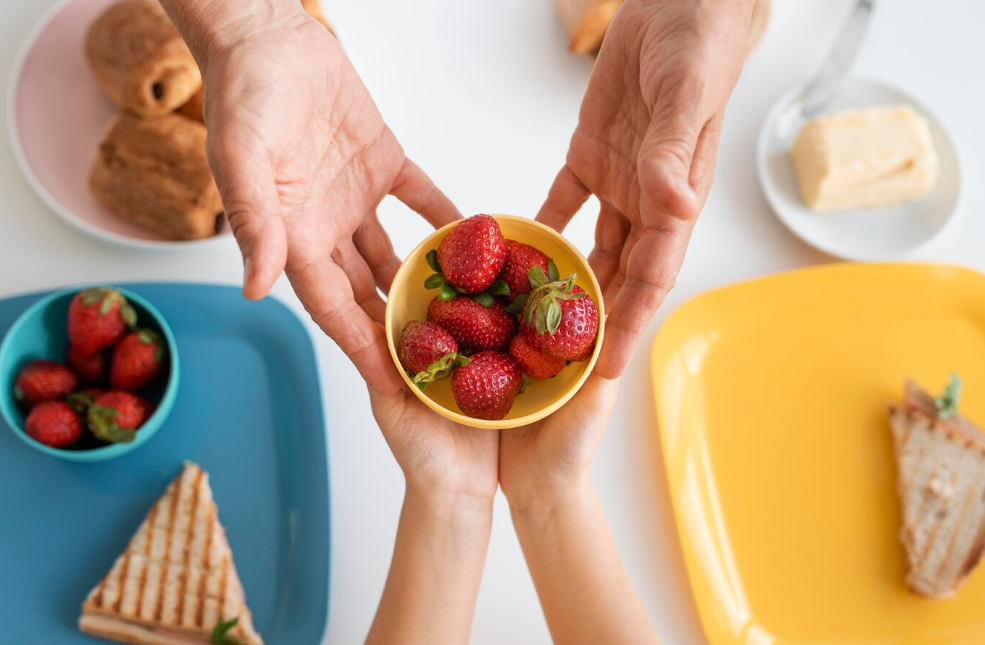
(483, 95)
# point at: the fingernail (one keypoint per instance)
(247, 271)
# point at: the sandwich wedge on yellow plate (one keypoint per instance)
(940, 458)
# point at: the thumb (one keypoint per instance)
(247, 184)
(664, 163)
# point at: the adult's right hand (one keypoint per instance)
(302, 159)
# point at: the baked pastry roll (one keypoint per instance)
(587, 21)
(193, 108)
(154, 173)
(140, 59)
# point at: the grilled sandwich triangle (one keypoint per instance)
(941, 487)
(176, 580)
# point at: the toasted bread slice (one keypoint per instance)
(176, 580)
(941, 486)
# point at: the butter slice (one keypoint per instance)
(855, 159)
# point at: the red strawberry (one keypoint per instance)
(98, 318)
(53, 423)
(520, 258)
(563, 319)
(41, 381)
(534, 364)
(584, 356)
(83, 399)
(486, 386)
(91, 368)
(475, 328)
(116, 416)
(137, 361)
(427, 352)
(472, 254)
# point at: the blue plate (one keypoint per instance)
(249, 412)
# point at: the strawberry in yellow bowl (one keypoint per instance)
(495, 321)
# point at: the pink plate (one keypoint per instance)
(57, 114)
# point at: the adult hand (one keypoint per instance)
(302, 159)
(645, 145)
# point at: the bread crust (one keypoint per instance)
(176, 579)
(940, 482)
(140, 60)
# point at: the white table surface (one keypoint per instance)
(483, 95)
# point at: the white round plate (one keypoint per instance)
(869, 235)
(56, 117)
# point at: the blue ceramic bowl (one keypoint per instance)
(40, 333)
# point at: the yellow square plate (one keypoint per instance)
(771, 400)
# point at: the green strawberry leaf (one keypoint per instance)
(219, 636)
(102, 423)
(459, 290)
(128, 314)
(18, 394)
(484, 299)
(499, 288)
(440, 369)
(528, 312)
(447, 292)
(434, 281)
(570, 284)
(518, 303)
(553, 316)
(147, 337)
(552, 272)
(432, 260)
(537, 277)
(92, 296)
(947, 403)
(107, 304)
(79, 401)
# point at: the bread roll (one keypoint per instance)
(154, 173)
(140, 59)
(193, 108)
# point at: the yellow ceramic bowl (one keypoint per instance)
(408, 300)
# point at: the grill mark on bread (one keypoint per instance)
(194, 557)
(169, 536)
(151, 519)
(974, 556)
(187, 542)
(204, 565)
(125, 570)
(941, 485)
(954, 534)
(223, 589)
(97, 597)
(123, 577)
(917, 468)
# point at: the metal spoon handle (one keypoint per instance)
(831, 76)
